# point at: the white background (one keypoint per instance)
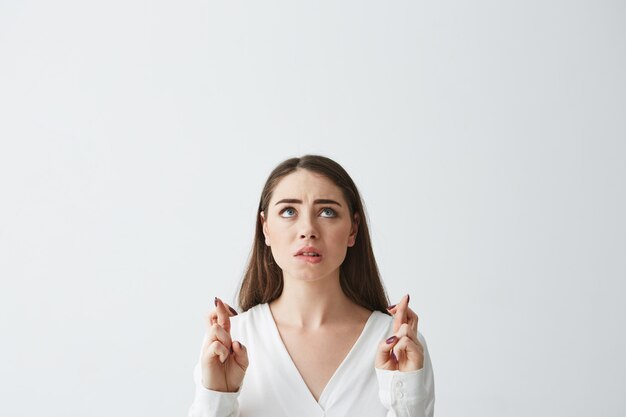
(487, 138)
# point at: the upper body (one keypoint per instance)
(273, 385)
(316, 334)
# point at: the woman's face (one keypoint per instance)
(308, 226)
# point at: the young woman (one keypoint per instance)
(316, 336)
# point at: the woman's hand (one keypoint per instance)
(223, 361)
(402, 351)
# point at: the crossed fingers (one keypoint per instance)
(224, 361)
(403, 350)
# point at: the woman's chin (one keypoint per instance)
(311, 276)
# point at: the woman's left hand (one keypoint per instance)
(402, 351)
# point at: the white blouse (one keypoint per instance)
(273, 387)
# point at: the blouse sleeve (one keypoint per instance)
(408, 394)
(209, 403)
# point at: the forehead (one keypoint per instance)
(303, 184)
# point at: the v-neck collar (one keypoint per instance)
(293, 369)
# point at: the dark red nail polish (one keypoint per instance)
(391, 340)
(232, 310)
(408, 298)
(391, 306)
(215, 301)
(393, 357)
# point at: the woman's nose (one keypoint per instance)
(309, 235)
(308, 229)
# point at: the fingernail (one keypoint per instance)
(215, 301)
(393, 356)
(232, 310)
(391, 340)
(408, 298)
(391, 306)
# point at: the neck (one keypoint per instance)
(311, 304)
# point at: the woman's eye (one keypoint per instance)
(328, 212)
(287, 212)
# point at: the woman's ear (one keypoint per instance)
(354, 230)
(265, 232)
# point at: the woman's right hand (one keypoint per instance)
(223, 362)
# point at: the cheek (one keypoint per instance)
(280, 238)
(341, 235)
(274, 228)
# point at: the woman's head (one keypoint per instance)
(293, 220)
(309, 227)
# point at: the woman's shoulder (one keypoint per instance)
(250, 317)
(381, 321)
(252, 312)
(384, 323)
(381, 318)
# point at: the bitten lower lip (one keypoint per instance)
(310, 259)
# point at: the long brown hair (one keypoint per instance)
(359, 276)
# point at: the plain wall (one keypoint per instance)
(487, 138)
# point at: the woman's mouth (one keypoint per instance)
(309, 254)
(312, 258)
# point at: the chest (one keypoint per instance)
(317, 355)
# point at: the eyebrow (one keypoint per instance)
(296, 201)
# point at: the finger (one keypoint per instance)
(409, 353)
(384, 359)
(217, 333)
(406, 337)
(223, 314)
(231, 311)
(411, 316)
(241, 355)
(211, 317)
(406, 331)
(400, 317)
(406, 347)
(217, 349)
(412, 319)
(392, 308)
